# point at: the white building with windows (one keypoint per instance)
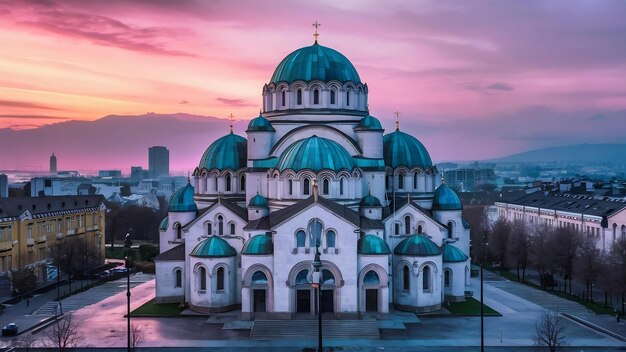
(236, 235)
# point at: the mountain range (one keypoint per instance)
(579, 153)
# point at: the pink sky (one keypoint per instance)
(472, 80)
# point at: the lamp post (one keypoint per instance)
(127, 244)
(315, 236)
(482, 304)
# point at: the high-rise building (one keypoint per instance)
(53, 164)
(158, 161)
(4, 186)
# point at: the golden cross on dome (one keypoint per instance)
(316, 25)
(397, 121)
(232, 118)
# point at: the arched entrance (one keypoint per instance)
(257, 287)
(373, 291)
(304, 296)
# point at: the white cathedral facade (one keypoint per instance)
(236, 235)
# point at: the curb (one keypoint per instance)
(594, 326)
(40, 326)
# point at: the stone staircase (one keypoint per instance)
(50, 308)
(303, 329)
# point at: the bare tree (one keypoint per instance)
(25, 342)
(541, 251)
(23, 280)
(478, 222)
(615, 278)
(519, 247)
(64, 334)
(550, 331)
(588, 264)
(498, 240)
(565, 244)
(136, 335)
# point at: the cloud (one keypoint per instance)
(596, 117)
(234, 102)
(26, 105)
(499, 86)
(486, 88)
(25, 116)
(183, 102)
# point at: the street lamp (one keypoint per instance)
(315, 236)
(127, 244)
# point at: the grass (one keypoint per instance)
(153, 309)
(470, 307)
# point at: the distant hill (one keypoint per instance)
(584, 153)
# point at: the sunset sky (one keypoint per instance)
(472, 79)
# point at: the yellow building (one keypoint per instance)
(31, 226)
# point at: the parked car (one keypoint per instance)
(9, 330)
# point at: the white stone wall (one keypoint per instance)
(166, 289)
(416, 296)
(458, 280)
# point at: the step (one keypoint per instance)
(302, 329)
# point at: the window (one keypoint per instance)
(327, 277)
(325, 187)
(209, 229)
(227, 183)
(282, 97)
(396, 229)
(179, 278)
(290, 187)
(220, 225)
(259, 277)
(302, 277)
(215, 183)
(220, 279)
(348, 97)
(405, 278)
(341, 186)
(306, 188)
(202, 273)
(316, 96)
(401, 181)
(415, 181)
(407, 224)
(299, 97)
(426, 278)
(371, 278)
(332, 96)
(450, 229)
(242, 183)
(387, 182)
(232, 229)
(300, 239)
(330, 239)
(179, 234)
(419, 229)
(446, 278)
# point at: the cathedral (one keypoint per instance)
(237, 235)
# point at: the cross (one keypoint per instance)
(316, 25)
(397, 121)
(232, 118)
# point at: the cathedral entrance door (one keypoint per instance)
(371, 300)
(259, 301)
(303, 301)
(328, 301)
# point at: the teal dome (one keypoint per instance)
(402, 149)
(451, 254)
(417, 245)
(164, 223)
(315, 62)
(260, 124)
(258, 201)
(316, 154)
(370, 201)
(369, 123)
(213, 247)
(259, 245)
(446, 199)
(182, 200)
(228, 152)
(370, 244)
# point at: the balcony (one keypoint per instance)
(96, 227)
(60, 236)
(30, 241)
(71, 232)
(42, 238)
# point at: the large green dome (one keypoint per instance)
(369, 123)
(370, 201)
(182, 200)
(258, 201)
(260, 124)
(402, 149)
(316, 154)
(417, 245)
(451, 254)
(228, 152)
(446, 199)
(372, 245)
(315, 62)
(259, 245)
(213, 247)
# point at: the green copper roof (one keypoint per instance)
(213, 247)
(446, 199)
(402, 149)
(163, 224)
(370, 244)
(260, 124)
(182, 200)
(258, 201)
(228, 152)
(370, 201)
(417, 245)
(316, 154)
(259, 245)
(451, 254)
(369, 123)
(315, 62)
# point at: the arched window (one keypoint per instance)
(179, 233)
(623, 232)
(202, 274)
(283, 97)
(215, 183)
(387, 181)
(371, 278)
(302, 277)
(400, 181)
(446, 278)
(419, 229)
(407, 224)
(614, 232)
(306, 187)
(405, 278)
(209, 229)
(290, 187)
(220, 279)
(179, 278)
(242, 183)
(220, 225)
(332, 96)
(450, 229)
(327, 277)
(299, 96)
(232, 229)
(325, 187)
(330, 239)
(341, 186)
(415, 180)
(227, 183)
(300, 239)
(426, 278)
(316, 96)
(348, 97)
(396, 229)
(259, 277)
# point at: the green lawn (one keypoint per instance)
(470, 307)
(152, 309)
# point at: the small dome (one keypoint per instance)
(451, 254)
(213, 247)
(417, 245)
(163, 224)
(315, 62)
(402, 149)
(182, 200)
(370, 244)
(259, 245)
(369, 123)
(316, 154)
(260, 124)
(370, 201)
(258, 201)
(228, 152)
(446, 199)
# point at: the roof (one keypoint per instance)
(370, 201)
(260, 124)
(164, 223)
(446, 199)
(369, 123)
(182, 200)
(569, 203)
(372, 245)
(402, 149)
(316, 154)
(258, 245)
(315, 62)
(418, 245)
(172, 255)
(228, 152)
(42, 206)
(400, 202)
(452, 254)
(213, 247)
(258, 201)
(240, 212)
